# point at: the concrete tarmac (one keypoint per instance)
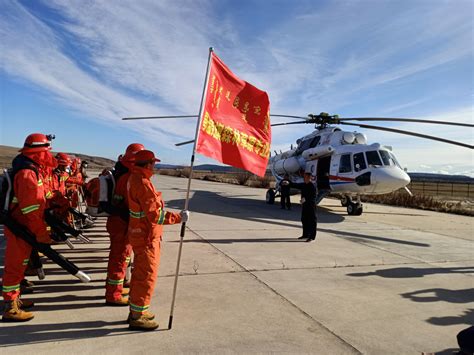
(392, 281)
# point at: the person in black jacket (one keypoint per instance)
(285, 193)
(308, 211)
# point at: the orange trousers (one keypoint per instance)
(17, 255)
(119, 258)
(145, 271)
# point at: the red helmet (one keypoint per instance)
(132, 149)
(145, 156)
(36, 142)
(63, 159)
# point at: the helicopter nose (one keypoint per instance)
(390, 179)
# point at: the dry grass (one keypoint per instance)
(243, 178)
(403, 199)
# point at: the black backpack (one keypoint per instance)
(6, 180)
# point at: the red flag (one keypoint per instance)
(235, 123)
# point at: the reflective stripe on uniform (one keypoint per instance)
(114, 282)
(118, 197)
(40, 182)
(25, 261)
(14, 199)
(64, 178)
(29, 209)
(6, 288)
(49, 194)
(134, 214)
(127, 259)
(136, 308)
(161, 217)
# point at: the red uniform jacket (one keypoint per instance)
(147, 214)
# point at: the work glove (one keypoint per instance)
(184, 216)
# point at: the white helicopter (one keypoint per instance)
(343, 162)
(340, 162)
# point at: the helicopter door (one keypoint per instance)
(322, 173)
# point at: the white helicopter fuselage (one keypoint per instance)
(341, 162)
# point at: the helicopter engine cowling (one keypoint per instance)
(287, 166)
(316, 152)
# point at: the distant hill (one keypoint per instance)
(440, 177)
(7, 154)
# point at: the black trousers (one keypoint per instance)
(310, 222)
(285, 201)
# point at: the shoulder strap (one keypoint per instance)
(22, 162)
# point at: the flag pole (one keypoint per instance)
(186, 203)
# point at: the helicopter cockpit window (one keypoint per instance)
(359, 162)
(373, 158)
(385, 157)
(308, 143)
(394, 160)
(345, 164)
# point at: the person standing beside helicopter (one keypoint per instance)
(285, 192)
(308, 204)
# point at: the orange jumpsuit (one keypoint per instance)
(145, 228)
(28, 209)
(59, 181)
(120, 248)
(73, 183)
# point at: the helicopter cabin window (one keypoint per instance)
(373, 158)
(359, 162)
(385, 157)
(308, 143)
(345, 164)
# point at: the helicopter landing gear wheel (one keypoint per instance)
(270, 197)
(354, 209)
(345, 200)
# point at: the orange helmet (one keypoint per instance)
(132, 149)
(145, 156)
(63, 159)
(36, 142)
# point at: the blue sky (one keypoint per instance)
(74, 68)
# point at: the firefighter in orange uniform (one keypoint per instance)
(60, 174)
(59, 201)
(147, 216)
(117, 226)
(74, 182)
(27, 208)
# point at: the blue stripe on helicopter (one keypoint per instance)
(340, 182)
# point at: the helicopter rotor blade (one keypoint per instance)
(404, 120)
(288, 123)
(184, 143)
(290, 116)
(410, 134)
(156, 117)
(192, 116)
